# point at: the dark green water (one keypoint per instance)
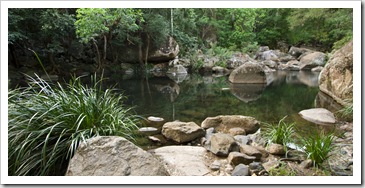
(197, 97)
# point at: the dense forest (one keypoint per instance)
(98, 36)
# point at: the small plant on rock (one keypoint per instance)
(318, 146)
(280, 134)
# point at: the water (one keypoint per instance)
(197, 97)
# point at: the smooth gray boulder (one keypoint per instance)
(113, 156)
(312, 60)
(318, 116)
(248, 73)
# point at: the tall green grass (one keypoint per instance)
(318, 146)
(48, 122)
(280, 133)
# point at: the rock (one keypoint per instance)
(257, 139)
(216, 165)
(225, 123)
(183, 160)
(271, 64)
(336, 79)
(318, 116)
(256, 167)
(251, 151)
(218, 69)
(50, 78)
(248, 73)
(236, 158)
(156, 122)
(241, 170)
(317, 69)
(296, 52)
(237, 131)
(243, 140)
(276, 149)
(177, 69)
(286, 58)
(238, 60)
(184, 62)
(168, 51)
(160, 67)
(221, 144)
(182, 132)
(148, 131)
(158, 138)
(312, 60)
(263, 48)
(271, 164)
(113, 156)
(306, 164)
(292, 65)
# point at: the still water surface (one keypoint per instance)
(195, 97)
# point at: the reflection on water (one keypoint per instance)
(195, 97)
(247, 92)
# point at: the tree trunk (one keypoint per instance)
(147, 48)
(14, 59)
(97, 54)
(51, 59)
(105, 44)
(172, 22)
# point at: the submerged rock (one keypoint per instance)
(113, 156)
(318, 115)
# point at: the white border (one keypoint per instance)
(356, 179)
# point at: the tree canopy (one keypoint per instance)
(53, 32)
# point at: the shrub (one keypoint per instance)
(47, 123)
(318, 146)
(280, 134)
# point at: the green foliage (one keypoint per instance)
(47, 123)
(280, 134)
(321, 26)
(318, 146)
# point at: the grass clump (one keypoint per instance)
(280, 134)
(318, 146)
(47, 123)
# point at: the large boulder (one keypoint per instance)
(336, 79)
(312, 60)
(168, 51)
(248, 73)
(225, 123)
(113, 156)
(183, 160)
(318, 115)
(181, 131)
